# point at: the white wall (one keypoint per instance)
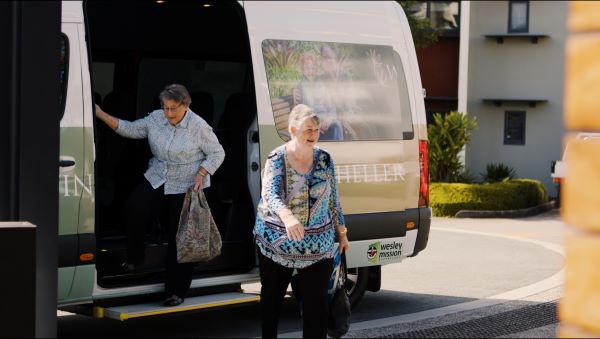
(517, 69)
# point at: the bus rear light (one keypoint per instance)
(424, 174)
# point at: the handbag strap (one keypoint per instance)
(341, 281)
(202, 198)
(187, 200)
(185, 208)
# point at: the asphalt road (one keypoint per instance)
(468, 263)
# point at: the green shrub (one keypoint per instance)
(447, 135)
(466, 177)
(497, 172)
(449, 198)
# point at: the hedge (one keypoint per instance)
(448, 198)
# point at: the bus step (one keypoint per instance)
(190, 304)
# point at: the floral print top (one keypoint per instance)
(312, 198)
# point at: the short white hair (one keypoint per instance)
(301, 113)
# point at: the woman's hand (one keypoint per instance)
(295, 232)
(198, 181)
(343, 243)
(108, 119)
(342, 233)
(98, 110)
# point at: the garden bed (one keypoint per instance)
(446, 199)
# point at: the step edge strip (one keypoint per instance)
(125, 316)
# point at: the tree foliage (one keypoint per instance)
(422, 33)
(447, 136)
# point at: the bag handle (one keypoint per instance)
(187, 201)
(201, 197)
(185, 209)
(341, 281)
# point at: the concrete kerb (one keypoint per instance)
(521, 213)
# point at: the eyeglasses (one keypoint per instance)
(166, 109)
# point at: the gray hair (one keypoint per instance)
(301, 113)
(176, 92)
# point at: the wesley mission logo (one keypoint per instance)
(372, 253)
(383, 252)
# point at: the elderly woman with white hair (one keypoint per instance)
(297, 220)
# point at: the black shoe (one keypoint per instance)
(127, 267)
(173, 301)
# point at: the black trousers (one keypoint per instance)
(313, 281)
(144, 205)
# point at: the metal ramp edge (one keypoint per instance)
(193, 303)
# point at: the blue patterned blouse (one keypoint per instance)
(312, 198)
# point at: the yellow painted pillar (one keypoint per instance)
(579, 308)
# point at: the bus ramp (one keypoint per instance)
(190, 304)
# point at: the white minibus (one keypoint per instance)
(246, 64)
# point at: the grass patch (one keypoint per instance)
(448, 198)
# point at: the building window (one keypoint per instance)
(443, 15)
(518, 16)
(514, 128)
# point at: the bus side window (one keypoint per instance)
(358, 91)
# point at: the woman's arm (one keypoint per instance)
(273, 182)
(215, 154)
(108, 119)
(336, 211)
(135, 130)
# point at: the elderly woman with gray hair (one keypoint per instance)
(297, 220)
(185, 153)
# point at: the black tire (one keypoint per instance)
(356, 284)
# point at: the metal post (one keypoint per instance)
(29, 141)
(17, 259)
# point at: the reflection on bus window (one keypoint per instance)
(359, 92)
(443, 15)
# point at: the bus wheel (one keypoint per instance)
(356, 284)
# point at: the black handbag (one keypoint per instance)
(339, 306)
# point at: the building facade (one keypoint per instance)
(438, 62)
(514, 85)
